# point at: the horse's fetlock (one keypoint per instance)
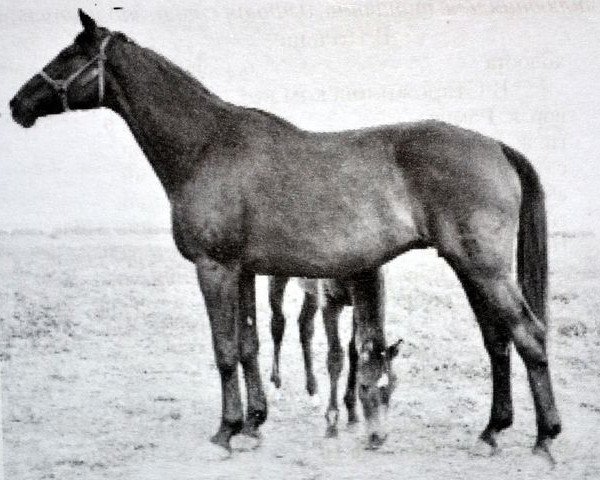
(502, 422)
(257, 416)
(232, 426)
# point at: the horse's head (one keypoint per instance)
(73, 80)
(376, 383)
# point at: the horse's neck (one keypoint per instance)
(171, 115)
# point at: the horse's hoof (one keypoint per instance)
(542, 449)
(482, 448)
(250, 429)
(375, 441)
(331, 431)
(352, 418)
(221, 439)
(246, 440)
(214, 452)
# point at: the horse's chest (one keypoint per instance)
(205, 223)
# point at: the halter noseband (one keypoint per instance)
(61, 86)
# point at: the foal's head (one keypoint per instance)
(73, 80)
(376, 383)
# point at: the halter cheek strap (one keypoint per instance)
(62, 86)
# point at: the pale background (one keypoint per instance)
(525, 72)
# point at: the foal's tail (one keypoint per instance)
(532, 254)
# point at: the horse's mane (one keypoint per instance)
(270, 116)
(182, 75)
(190, 87)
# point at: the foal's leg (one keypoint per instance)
(335, 360)
(220, 287)
(306, 323)
(504, 297)
(350, 395)
(276, 290)
(257, 403)
(496, 339)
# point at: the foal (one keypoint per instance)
(335, 296)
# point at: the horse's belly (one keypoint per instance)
(330, 251)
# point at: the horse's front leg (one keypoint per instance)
(249, 344)
(220, 287)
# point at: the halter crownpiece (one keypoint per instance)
(61, 86)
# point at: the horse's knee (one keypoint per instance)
(227, 362)
(249, 350)
(498, 350)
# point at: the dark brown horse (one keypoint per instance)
(332, 296)
(252, 194)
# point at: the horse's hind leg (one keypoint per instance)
(350, 395)
(335, 360)
(306, 324)
(501, 295)
(248, 347)
(496, 339)
(276, 290)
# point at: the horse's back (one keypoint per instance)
(332, 204)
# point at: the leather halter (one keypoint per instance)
(61, 86)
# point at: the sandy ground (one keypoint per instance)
(108, 372)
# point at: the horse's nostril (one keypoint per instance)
(11, 104)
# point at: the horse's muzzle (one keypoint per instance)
(21, 113)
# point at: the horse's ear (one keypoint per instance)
(89, 25)
(394, 349)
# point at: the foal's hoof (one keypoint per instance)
(542, 449)
(246, 441)
(352, 418)
(483, 448)
(375, 441)
(213, 452)
(311, 386)
(221, 439)
(331, 431)
(276, 380)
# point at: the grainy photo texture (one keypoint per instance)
(300, 240)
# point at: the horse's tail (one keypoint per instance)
(532, 253)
